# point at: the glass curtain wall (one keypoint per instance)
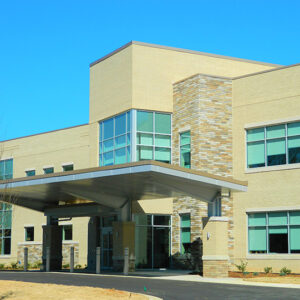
(153, 136)
(115, 140)
(152, 241)
(146, 133)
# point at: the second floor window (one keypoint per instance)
(273, 145)
(6, 169)
(30, 173)
(185, 149)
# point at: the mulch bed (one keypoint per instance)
(257, 274)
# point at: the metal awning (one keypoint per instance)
(110, 187)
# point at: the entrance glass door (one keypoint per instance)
(152, 241)
(107, 247)
(107, 241)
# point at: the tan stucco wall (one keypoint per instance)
(111, 85)
(264, 98)
(35, 152)
(141, 77)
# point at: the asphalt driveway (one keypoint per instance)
(166, 289)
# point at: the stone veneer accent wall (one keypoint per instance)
(203, 105)
(35, 252)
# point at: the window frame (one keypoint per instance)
(180, 145)
(265, 141)
(268, 226)
(25, 233)
(2, 236)
(181, 227)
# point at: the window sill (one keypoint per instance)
(269, 256)
(273, 168)
(5, 256)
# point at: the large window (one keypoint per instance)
(185, 232)
(273, 145)
(153, 136)
(274, 232)
(185, 149)
(115, 140)
(5, 228)
(134, 136)
(6, 169)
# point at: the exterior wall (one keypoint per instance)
(35, 250)
(202, 104)
(141, 76)
(37, 151)
(262, 99)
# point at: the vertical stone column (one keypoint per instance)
(227, 211)
(52, 238)
(93, 242)
(215, 247)
(123, 237)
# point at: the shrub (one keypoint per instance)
(242, 267)
(14, 265)
(2, 266)
(255, 273)
(268, 270)
(66, 266)
(78, 266)
(246, 273)
(285, 271)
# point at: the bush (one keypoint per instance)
(2, 266)
(246, 273)
(78, 266)
(66, 266)
(255, 273)
(284, 271)
(14, 265)
(268, 270)
(242, 267)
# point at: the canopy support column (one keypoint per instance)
(52, 238)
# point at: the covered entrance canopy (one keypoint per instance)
(88, 192)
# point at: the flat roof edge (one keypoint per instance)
(50, 131)
(184, 51)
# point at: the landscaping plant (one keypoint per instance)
(242, 266)
(284, 271)
(268, 270)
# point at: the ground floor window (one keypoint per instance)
(185, 232)
(152, 241)
(274, 232)
(67, 232)
(5, 228)
(29, 234)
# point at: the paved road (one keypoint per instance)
(166, 289)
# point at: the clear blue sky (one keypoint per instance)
(46, 46)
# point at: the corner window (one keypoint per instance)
(48, 170)
(273, 145)
(135, 136)
(30, 173)
(115, 140)
(274, 232)
(185, 232)
(67, 168)
(29, 234)
(67, 233)
(5, 228)
(185, 149)
(6, 169)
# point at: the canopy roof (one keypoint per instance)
(110, 187)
